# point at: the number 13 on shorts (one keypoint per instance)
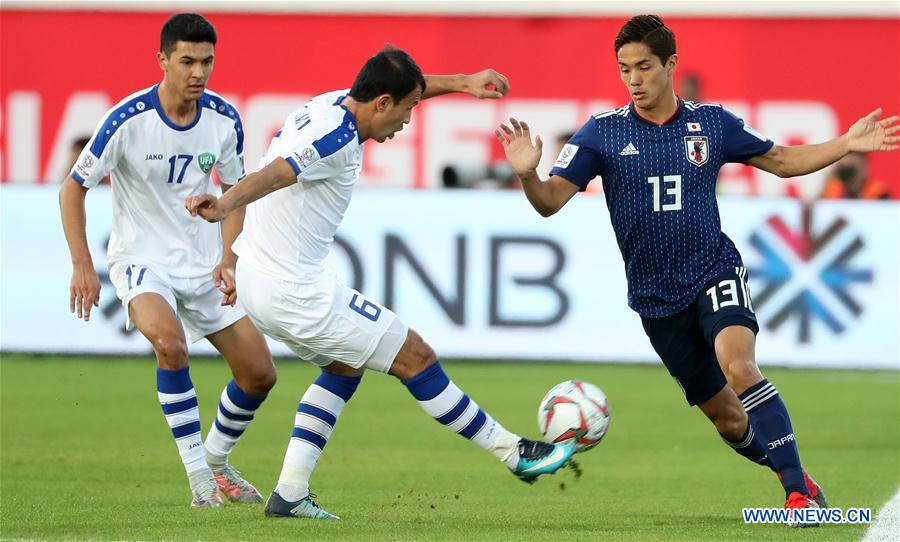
(731, 292)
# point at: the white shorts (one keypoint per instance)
(321, 319)
(196, 301)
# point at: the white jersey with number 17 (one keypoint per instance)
(155, 164)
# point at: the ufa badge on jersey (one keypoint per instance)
(206, 161)
(697, 149)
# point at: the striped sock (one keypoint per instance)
(317, 413)
(446, 403)
(751, 447)
(236, 410)
(179, 404)
(769, 418)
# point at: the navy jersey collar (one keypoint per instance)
(678, 109)
(154, 97)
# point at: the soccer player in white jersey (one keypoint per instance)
(311, 168)
(160, 145)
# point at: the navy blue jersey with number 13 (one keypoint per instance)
(659, 182)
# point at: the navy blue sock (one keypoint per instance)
(770, 420)
(751, 447)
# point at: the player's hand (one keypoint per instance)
(869, 134)
(206, 206)
(223, 275)
(486, 84)
(522, 155)
(84, 290)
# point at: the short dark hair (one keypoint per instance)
(652, 32)
(190, 27)
(391, 71)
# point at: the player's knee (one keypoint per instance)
(259, 382)
(741, 373)
(171, 352)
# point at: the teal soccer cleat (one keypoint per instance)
(537, 458)
(304, 508)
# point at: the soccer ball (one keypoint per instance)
(574, 412)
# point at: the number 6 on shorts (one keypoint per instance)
(367, 308)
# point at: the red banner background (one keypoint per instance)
(849, 65)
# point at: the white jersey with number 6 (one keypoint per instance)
(284, 285)
(155, 164)
(289, 232)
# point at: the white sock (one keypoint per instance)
(317, 413)
(179, 404)
(446, 403)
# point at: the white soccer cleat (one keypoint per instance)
(205, 490)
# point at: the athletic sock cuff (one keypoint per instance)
(178, 381)
(745, 440)
(342, 386)
(429, 383)
(242, 399)
(758, 395)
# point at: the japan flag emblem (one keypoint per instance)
(697, 149)
(693, 127)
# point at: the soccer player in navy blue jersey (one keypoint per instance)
(658, 158)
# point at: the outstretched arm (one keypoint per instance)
(484, 84)
(868, 134)
(276, 175)
(547, 197)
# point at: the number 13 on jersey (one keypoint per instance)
(672, 186)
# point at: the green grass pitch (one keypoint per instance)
(86, 454)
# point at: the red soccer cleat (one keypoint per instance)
(799, 501)
(814, 490)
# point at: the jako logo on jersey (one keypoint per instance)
(154, 157)
(697, 149)
(206, 161)
(629, 150)
(807, 274)
(781, 442)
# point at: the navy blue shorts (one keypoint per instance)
(684, 341)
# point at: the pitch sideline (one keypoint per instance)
(886, 526)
